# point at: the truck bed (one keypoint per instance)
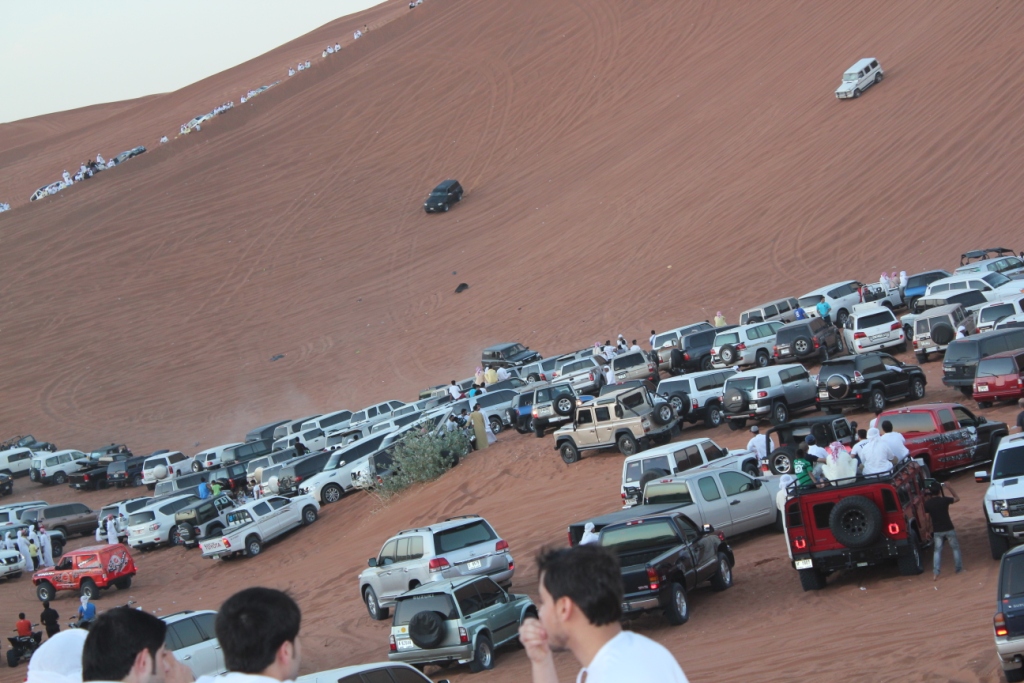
(576, 530)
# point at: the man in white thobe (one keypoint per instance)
(111, 530)
(23, 548)
(45, 547)
(761, 445)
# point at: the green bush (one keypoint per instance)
(423, 457)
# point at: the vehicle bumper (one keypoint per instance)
(460, 653)
(147, 540)
(926, 349)
(856, 398)
(762, 408)
(958, 382)
(1010, 651)
(16, 568)
(847, 558)
(1011, 530)
(1006, 394)
(861, 347)
(634, 605)
(782, 356)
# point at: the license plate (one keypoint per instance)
(822, 394)
(878, 337)
(753, 406)
(475, 564)
(982, 387)
(405, 644)
(804, 564)
(137, 532)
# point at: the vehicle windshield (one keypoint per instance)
(514, 350)
(850, 77)
(809, 302)
(239, 517)
(457, 538)
(677, 492)
(875, 320)
(407, 608)
(996, 279)
(960, 351)
(993, 367)
(1009, 463)
(639, 536)
(994, 313)
(840, 367)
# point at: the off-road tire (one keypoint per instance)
(714, 415)
(723, 579)
(563, 405)
(751, 469)
(373, 608)
(998, 545)
(801, 346)
(46, 591)
(909, 562)
(878, 77)
(876, 400)
(426, 629)
(628, 445)
(780, 461)
(780, 413)
(309, 515)
(1013, 675)
(984, 404)
(916, 389)
(496, 424)
(196, 467)
(837, 386)
(13, 657)
(856, 94)
(856, 522)
(705, 363)
(762, 359)
(677, 609)
(728, 354)
(124, 583)
(483, 655)
(60, 478)
(943, 333)
(841, 317)
(533, 377)
(922, 358)
(811, 579)
(538, 429)
(88, 587)
(331, 493)
(737, 425)
(662, 414)
(137, 480)
(569, 452)
(253, 546)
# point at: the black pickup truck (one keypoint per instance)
(663, 558)
(92, 472)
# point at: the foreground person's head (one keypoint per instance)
(258, 630)
(580, 590)
(127, 645)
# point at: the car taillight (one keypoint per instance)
(392, 644)
(686, 355)
(500, 545)
(894, 326)
(42, 473)
(799, 543)
(463, 635)
(226, 542)
(857, 377)
(999, 624)
(652, 578)
(775, 351)
(915, 343)
(511, 565)
(154, 527)
(543, 377)
(591, 375)
(762, 394)
(650, 367)
(297, 479)
(817, 343)
(555, 374)
(860, 335)
(569, 533)
(742, 346)
(85, 478)
(693, 404)
(894, 529)
(439, 564)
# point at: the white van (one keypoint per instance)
(16, 461)
(157, 467)
(54, 468)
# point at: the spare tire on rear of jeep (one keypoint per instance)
(728, 354)
(838, 386)
(734, 400)
(662, 414)
(427, 629)
(564, 404)
(856, 522)
(942, 333)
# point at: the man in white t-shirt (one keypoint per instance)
(762, 445)
(895, 441)
(579, 610)
(503, 374)
(455, 391)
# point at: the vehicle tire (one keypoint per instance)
(426, 629)
(564, 405)
(679, 402)
(88, 589)
(811, 579)
(662, 414)
(56, 548)
(751, 469)
(714, 415)
(174, 537)
(191, 533)
(496, 424)
(734, 400)
(802, 346)
(837, 386)
(876, 400)
(840, 345)
(377, 613)
(677, 611)
(13, 657)
(728, 354)
(737, 425)
(137, 480)
(841, 318)
(46, 591)
(910, 303)
(997, 544)
(856, 93)
(538, 429)
(648, 477)
(63, 531)
(916, 389)
(922, 358)
(446, 207)
(705, 363)
(212, 530)
(943, 333)
(856, 522)
(569, 452)
(909, 562)
(60, 478)
(124, 583)
(778, 524)
(780, 461)
(196, 467)
(1013, 675)
(308, 515)
(833, 411)
(723, 579)
(967, 391)
(628, 445)
(780, 413)
(331, 493)
(762, 359)
(878, 77)
(984, 404)
(483, 655)
(533, 377)
(253, 546)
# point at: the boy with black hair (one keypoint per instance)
(258, 631)
(579, 610)
(127, 645)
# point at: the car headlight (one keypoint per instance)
(1001, 508)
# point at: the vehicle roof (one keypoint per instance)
(760, 372)
(667, 448)
(979, 253)
(868, 308)
(445, 184)
(974, 266)
(768, 303)
(929, 272)
(446, 586)
(958, 277)
(817, 419)
(44, 454)
(921, 406)
(689, 375)
(449, 523)
(1004, 354)
(184, 614)
(275, 423)
(824, 290)
(944, 309)
(93, 549)
(162, 455)
(861, 63)
(503, 345)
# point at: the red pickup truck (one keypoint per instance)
(945, 436)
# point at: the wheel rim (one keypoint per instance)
(918, 389)
(627, 447)
(371, 603)
(841, 318)
(175, 536)
(727, 356)
(854, 522)
(877, 400)
(782, 464)
(666, 413)
(254, 548)
(310, 516)
(567, 454)
(677, 403)
(681, 606)
(801, 347)
(564, 404)
(332, 495)
(496, 426)
(762, 360)
(485, 655)
(59, 479)
(726, 571)
(780, 413)
(715, 416)
(705, 363)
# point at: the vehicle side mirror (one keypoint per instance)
(756, 484)
(618, 411)
(982, 477)
(982, 419)
(372, 562)
(708, 529)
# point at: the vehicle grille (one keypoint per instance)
(13, 559)
(1016, 506)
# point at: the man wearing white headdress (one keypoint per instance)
(589, 535)
(26, 553)
(46, 547)
(59, 659)
(876, 455)
(111, 530)
(9, 542)
(838, 463)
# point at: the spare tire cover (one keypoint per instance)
(727, 353)
(160, 472)
(942, 333)
(838, 386)
(734, 400)
(427, 629)
(856, 522)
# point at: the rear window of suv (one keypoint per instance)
(407, 608)
(991, 367)
(840, 367)
(788, 334)
(727, 338)
(961, 350)
(875, 319)
(993, 313)
(463, 536)
(630, 360)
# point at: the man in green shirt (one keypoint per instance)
(215, 488)
(802, 468)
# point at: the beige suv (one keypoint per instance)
(634, 365)
(936, 327)
(627, 418)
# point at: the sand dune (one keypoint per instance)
(628, 166)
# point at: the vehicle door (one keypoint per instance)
(897, 379)
(714, 505)
(697, 559)
(285, 516)
(79, 518)
(749, 502)
(968, 424)
(841, 431)
(189, 647)
(502, 620)
(955, 446)
(797, 386)
(584, 429)
(207, 625)
(604, 425)
(391, 582)
(470, 606)
(64, 574)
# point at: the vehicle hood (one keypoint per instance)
(1000, 489)
(846, 86)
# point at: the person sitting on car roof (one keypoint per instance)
(838, 463)
(609, 376)
(589, 535)
(503, 374)
(490, 375)
(455, 391)
(876, 455)
(895, 441)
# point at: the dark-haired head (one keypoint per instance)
(123, 643)
(258, 630)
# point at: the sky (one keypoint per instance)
(64, 54)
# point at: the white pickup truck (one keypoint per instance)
(254, 524)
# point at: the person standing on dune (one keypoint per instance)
(476, 419)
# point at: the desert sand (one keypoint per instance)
(628, 166)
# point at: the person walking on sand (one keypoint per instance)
(50, 619)
(25, 550)
(937, 507)
(580, 608)
(479, 424)
(720, 320)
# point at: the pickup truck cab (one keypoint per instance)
(253, 525)
(858, 522)
(665, 557)
(87, 571)
(945, 436)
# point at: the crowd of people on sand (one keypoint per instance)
(33, 544)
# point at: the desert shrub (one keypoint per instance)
(424, 457)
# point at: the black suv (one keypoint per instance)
(510, 354)
(869, 380)
(126, 472)
(960, 363)
(694, 352)
(443, 196)
(804, 339)
(825, 428)
(6, 484)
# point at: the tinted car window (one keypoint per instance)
(733, 482)
(187, 632)
(709, 489)
(905, 423)
(875, 319)
(628, 361)
(463, 536)
(407, 608)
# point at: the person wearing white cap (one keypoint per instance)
(9, 542)
(878, 458)
(59, 659)
(589, 535)
(609, 374)
(762, 445)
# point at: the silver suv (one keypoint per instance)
(775, 393)
(936, 328)
(704, 389)
(456, 547)
(585, 375)
(552, 405)
(745, 345)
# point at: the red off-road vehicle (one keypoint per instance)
(945, 436)
(87, 570)
(858, 522)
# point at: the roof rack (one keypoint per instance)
(794, 491)
(462, 517)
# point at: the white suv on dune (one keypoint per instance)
(859, 77)
(154, 524)
(841, 296)
(335, 479)
(745, 345)
(210, 458)
(704, 390)
(871, 327)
